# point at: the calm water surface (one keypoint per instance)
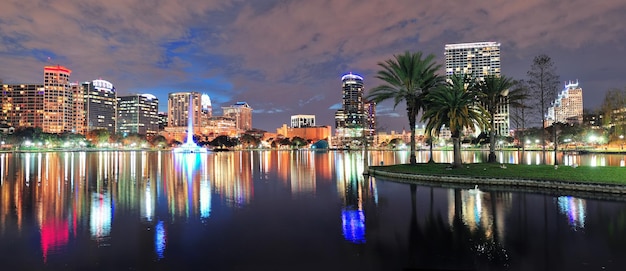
(287, 210)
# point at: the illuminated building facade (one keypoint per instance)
(162, 120)
(58, 104)
(313, 133)
(241, 112)
(138, 114)
(301, 121)
(22, 105)
(178, 107)
(356, 114)
(100, 105)
(478, 59)
(568, 106)
(79, 108)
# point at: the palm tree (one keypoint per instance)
(494, 94)
(407, 77)
(454, 105)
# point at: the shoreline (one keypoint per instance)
(593, 190)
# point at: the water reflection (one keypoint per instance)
(240, 203)
(574, 209)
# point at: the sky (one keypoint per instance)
(287, 57)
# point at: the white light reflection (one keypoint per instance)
(148, 200)
(205, 199)
(100, 216)
(1, 168)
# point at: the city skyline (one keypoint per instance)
(286, 58)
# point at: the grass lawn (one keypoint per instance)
(586, 174)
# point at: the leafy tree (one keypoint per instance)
(407, 78)
(224, 141)
(284, 141)
(494, 92)
(98, 136)
(613, 115)
(249, 141)
(454, 106)
(297, 142)
(158, 141)
(543, 82)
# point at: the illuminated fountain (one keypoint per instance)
(189, 146)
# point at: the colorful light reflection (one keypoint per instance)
(160, 239)
(353, 225)
(575, 209)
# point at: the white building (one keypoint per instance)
(301, 121)
(478, 59)
(568, 106)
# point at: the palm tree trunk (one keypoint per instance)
(431, 160)
(492, 140)
(412, 117)
(456, 142)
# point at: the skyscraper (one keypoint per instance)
(22, 105)
(356, 115)
(79, 108)
(241, 112)
(178, 106)
(568, 106)
(100, 105)
(138, 114)
(58, 104)
(478, 59)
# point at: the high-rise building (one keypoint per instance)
(478, 59)
(100, 105)
(79, 108)
(22, 105)
(178, 108)
(58, 104)
(356, 117)
(568, 106)
(241, 112)
(370, 114)
(138, 114)
(162, 120)
(301, 121)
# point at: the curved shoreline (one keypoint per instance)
(551, 187)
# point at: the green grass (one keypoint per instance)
(585, 174)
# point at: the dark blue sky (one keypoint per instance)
(287, 57)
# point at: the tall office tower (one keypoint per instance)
(138, 114)
(22, 105)
(241, 112)
(100, 105)
(370, 113)
(58, 105)
(568, 106)
(353, 116)
(178, 108)
(162, 120)
(478, 59)
(301, 121)
(79, 108)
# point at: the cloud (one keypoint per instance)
(286, 57)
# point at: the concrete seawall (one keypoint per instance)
(531, 185)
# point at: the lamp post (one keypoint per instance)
(621, 141)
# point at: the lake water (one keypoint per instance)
(288, 210)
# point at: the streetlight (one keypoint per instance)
(621, 139)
